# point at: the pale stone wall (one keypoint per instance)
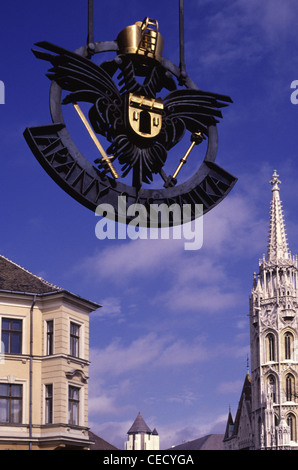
(59, 369)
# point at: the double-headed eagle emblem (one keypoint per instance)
(141, 105)
(127, 109)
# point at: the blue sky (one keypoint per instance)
(172, 338)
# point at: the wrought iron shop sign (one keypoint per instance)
(140, 106)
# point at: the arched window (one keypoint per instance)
(272, 387)
(290, 388)
(276, 420)
(270, 347)
(288, 342)
(291, 422)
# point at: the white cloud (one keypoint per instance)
(132, 258)
(178, 433)
(230, 387)
(275, 17)
(175, 433)
(150, 350)
(106, 397)
(234, 227)
(118, 359)
(111, 309)
(150, 353)
(186, 397)
(102, 404)
(242, 31)
(204, 298)
(181, 352)
(185, 281)
(112, 431)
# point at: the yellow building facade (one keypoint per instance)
(44, 363)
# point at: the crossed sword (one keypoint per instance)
(107, 160)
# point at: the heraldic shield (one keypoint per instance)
(145, 115)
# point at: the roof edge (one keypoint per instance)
(94, 305)
(47, 283)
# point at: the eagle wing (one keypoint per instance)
(192, 110)
(86, 81)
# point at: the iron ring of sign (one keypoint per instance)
(189, 191)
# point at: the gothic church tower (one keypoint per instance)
(267, 416)
(273, 339)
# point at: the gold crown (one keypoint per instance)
(141, 38)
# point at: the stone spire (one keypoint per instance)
(277, 245)
(270, 418)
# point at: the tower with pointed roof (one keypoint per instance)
(140, 436)
(273, 395)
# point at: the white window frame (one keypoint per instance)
(25, 324)
(11, 379)
(81, 326)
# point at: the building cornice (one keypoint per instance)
(61, 295)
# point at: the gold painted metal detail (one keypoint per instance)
(184, 158)
(104, 158)
(145, 115)
(142, 38)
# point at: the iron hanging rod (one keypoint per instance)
(90, 38)
(181, 39)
